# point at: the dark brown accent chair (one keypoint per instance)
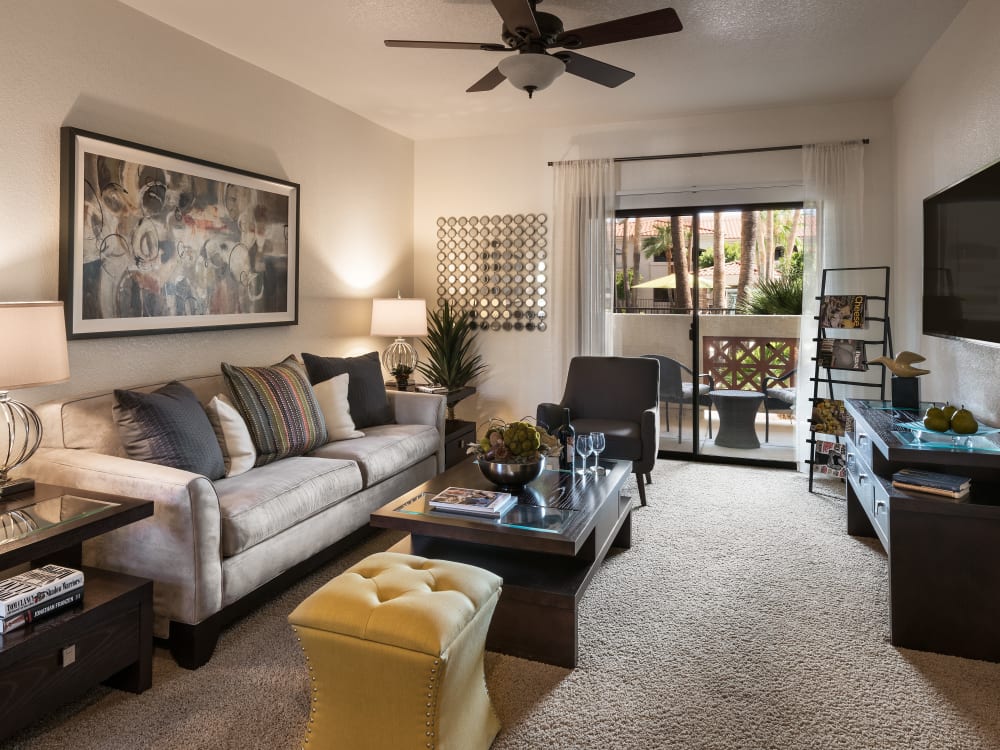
(619, 396)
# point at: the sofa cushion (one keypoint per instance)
(366, 388)
(385, 450)
(264, 502)
(168, 427)
(279, 407)
(238, 451)
(332, 397)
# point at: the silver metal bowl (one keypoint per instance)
(511, 475)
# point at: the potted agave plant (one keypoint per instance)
(451, 360)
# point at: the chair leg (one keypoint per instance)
(666, 413)
(767, 425)
(680, 420)
(649, 479)
(642, 489)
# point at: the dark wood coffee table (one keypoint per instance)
(546, 549)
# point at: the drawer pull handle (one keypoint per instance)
(879, 506)
(862, 478)
(862, 438)
(850, 459)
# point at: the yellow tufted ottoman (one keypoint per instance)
(395, 652)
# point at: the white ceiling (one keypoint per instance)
(732, 54)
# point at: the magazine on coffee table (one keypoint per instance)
(475, 502)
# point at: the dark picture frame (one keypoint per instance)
(155, 242)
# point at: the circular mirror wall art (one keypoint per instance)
(504, 244)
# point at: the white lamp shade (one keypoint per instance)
(399, 317)
(532, 71)
(34, 344)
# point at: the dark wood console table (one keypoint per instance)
(944, 554)
(108, 637)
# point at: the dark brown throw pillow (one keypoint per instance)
(168, 427)
(365, 389)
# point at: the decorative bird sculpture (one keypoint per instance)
(902, 365)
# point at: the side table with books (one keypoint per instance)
(67, 627)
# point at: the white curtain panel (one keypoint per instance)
(834, 183)
(583, 286)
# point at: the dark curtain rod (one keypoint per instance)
(693, 154)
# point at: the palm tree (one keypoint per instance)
(748, 237)
(719, 266)
(683, 298)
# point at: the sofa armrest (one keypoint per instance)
(178, 547)
(420, 408)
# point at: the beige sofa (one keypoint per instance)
(216, 549)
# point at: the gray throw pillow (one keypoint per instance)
(168, 427)
(365, 389)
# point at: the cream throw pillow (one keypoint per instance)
(238, 452)
(332, 397)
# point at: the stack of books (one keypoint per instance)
(432, 389)
(37, 593)
(932, 482)
(474, 502)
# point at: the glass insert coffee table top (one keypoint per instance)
(548, 504)
(20, 523)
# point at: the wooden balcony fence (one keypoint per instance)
(741, 363)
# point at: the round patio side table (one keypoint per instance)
(737, 413)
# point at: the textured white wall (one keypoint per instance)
(500, 175)
(101, 66)
(947, 119)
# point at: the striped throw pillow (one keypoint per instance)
(279, 407)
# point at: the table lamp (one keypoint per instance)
(399, 317)
(35, 353)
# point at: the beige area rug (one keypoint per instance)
(743, 616)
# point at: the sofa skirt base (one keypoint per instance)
(193, 645)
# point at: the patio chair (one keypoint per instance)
(674, 389)
(618, 396)
(778, 396)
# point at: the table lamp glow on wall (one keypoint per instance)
(35, 353)
(399, 317)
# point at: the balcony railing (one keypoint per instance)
(741, 363)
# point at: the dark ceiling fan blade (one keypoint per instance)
(594, 70)
(621, 30)
(489, 81)
(517, 14)
(485, 46)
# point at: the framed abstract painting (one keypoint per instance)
(155, 242)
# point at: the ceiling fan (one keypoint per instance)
(531, 33)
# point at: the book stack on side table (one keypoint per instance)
(932, 482)
(37, 593)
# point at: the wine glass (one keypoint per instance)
(597, 446)
(583, 449)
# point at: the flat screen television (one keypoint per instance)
(962, 259)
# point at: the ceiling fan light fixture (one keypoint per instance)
(531, 71)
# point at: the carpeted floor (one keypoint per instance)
(743, 616)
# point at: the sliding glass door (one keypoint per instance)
(715, 294)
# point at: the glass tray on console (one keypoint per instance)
(915, 435)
